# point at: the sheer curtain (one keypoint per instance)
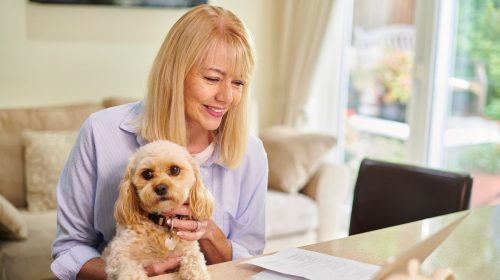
(326, 100)
(304, 26)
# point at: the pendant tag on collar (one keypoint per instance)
(170, 243)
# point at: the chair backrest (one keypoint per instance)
(388, 194)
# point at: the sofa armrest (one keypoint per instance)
(329, 187)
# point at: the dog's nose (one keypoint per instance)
(161, 190)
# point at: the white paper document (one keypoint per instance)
(297, 263)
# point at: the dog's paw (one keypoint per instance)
(194, 274)
(132, 275)
(193, 268)
(130, 271)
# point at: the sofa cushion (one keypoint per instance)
(45, 153)
(301, 215)
(12, 225)
(293, 156)
(13, 122)
(31, 258)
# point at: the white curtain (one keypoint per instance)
(325, 100)
(303, 31)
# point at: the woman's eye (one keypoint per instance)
(239, 83)
(147, 174)
(175, 170)
(212, 79)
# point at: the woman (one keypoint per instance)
(197, 97)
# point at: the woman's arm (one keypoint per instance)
(246, 226)
(92, 270)
(215, 246)
(76, 238)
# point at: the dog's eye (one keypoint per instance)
(147, 174)
(175, 170)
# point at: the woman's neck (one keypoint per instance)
(198, 140)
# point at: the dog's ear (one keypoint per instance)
(127, 210)
(201, 201)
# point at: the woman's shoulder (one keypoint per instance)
(254, 144)
(112, 128)
(117, 111)
(119, 115)
(255, 153)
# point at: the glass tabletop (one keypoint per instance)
(472, 250)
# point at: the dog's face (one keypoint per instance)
(160, 176)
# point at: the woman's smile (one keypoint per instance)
(214, 111)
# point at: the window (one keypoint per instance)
(380, 82)
(471, 134)
(423, 87)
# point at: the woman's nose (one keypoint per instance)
(225, 93)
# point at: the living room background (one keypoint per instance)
(58, 54)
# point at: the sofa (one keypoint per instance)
(304, 202)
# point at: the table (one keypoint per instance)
(472, 251)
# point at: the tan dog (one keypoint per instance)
(160, 176)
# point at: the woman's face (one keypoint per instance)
(210, 90)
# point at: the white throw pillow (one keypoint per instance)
(45, 153)
(293, 156)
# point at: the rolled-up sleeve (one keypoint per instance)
(76, 239)
(68, 264)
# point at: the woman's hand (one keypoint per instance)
(190, 230)
(162, 267)
(213, 242)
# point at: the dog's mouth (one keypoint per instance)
(164, 198)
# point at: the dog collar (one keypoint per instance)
(158, 219)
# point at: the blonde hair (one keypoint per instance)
(186, 45)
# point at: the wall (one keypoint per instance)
(53, 54)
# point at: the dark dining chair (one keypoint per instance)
(388, 194)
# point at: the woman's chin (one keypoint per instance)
(211, 126)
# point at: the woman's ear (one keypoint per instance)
(201, 201)
(127, 210)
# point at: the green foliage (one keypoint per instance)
(493, 109)
(480, 158)
(478, 41)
